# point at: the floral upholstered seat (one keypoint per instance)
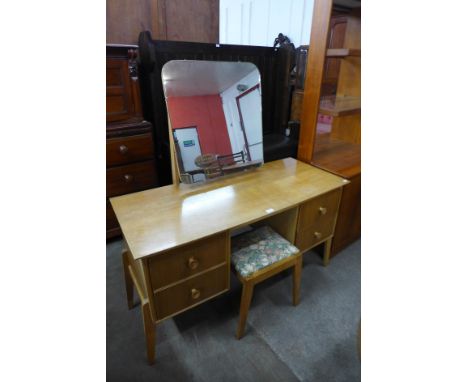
(258, 249)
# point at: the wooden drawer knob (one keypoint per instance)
(322, 210)
(318, 235)
(123, 149)
(195, 293)
(193, 263)
(128, 178)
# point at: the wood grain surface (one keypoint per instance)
(156, 220)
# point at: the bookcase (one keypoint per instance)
(337, 149)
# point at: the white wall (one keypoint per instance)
(231, 113)
(258, 22)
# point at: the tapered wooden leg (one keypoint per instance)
(297, 280)
(326, 253)
(150, 333)
(128, 279)
(247, 291)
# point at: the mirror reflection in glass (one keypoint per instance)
(215, 114)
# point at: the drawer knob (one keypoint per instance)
(322, 210)
(128, 178)
(195, 293)
(318, 235)
(193, 263)
(123, 149)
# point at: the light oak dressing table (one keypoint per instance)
(177, 238)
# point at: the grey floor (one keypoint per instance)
(314, 341)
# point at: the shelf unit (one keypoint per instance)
(337, 151)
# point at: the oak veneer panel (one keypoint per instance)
(131, 178)
(179, 297)
(167, 217)
(129, 149)
(178, 264)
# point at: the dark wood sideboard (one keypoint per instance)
(130, 160)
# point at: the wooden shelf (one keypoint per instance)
(343, 52)
(337, 156)
(339, 106)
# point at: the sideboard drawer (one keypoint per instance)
(186, 261)
(129, 149)
(317, 219)
(131, 178)
(191, 292)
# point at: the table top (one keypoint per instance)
(159, 219)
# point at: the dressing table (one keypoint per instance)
(177, 238)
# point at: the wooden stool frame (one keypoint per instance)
(249, 282)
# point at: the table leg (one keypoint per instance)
(247, 291)
(297, 280)
(128, 279)
(150, 333)
(326, 253)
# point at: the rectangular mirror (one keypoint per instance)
(215, 117)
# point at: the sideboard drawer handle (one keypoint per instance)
(322, 210)
(195, 293)
(193, 263)
(128, 178)
(123, 149)
(318, 235)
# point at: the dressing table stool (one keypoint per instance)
(258, 255)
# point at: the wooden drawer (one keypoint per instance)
(126, 179)
(316, 219)
(119, 101)
(180, 263)
(129, 149)
(191, 292)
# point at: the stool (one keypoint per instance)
(258, 255)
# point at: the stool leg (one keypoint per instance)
(150, 333)
(247, 291)
(128, 279)
(326, 253)
(297, 280)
